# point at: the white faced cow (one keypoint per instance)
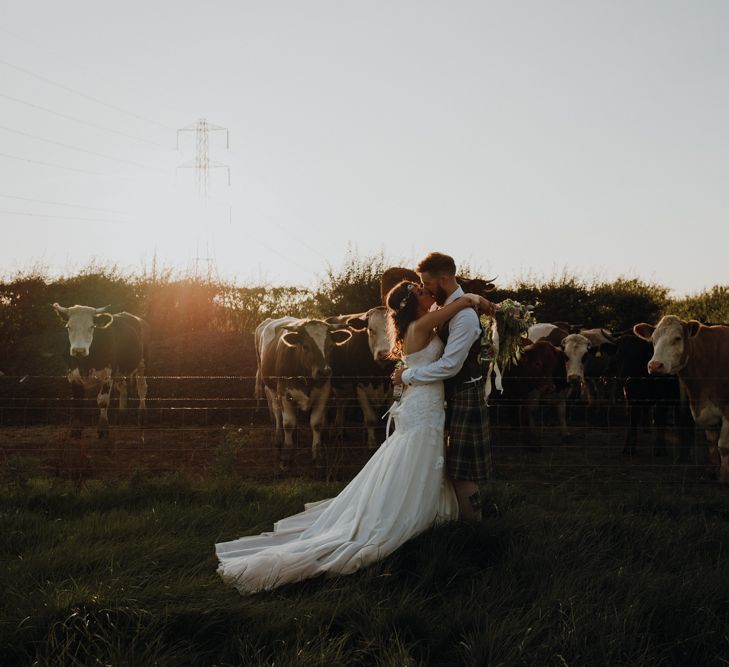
(296, 373)
(104, 350)
(363, 367)
(699, 355)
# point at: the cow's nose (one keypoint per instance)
(573, 378)
(655, 367)
(382, 355)
(79, 352)
(326, 371)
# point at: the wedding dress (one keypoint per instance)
(400, 492)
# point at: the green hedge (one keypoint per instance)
(179, 304)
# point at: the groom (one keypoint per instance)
(468, 454)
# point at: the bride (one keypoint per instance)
(399, 493)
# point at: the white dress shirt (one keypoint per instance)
(464, 329)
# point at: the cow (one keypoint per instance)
(649, 398)
(295, 369)
(263, 337)
(363, 366)
(546, 331)
(105, 350)
(539, 374)
(586, 352)
(699, 356)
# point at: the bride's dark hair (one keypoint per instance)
(402, 309)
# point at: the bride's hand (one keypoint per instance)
(473, 300)
(485, 307)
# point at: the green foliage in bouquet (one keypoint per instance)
(505, 333)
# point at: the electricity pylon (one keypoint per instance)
(202, 164)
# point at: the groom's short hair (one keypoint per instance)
(437, 264)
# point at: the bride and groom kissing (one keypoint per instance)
(418, 477)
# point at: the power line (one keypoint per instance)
(50, 164)
(84, 95)
(77, 148)
(268, 247)
(59, 203)
(85, 122)
(65, 217)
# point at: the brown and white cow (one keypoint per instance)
(362, 367)
(584, 349)
(699, 355)
(296, 372)
(105, 350)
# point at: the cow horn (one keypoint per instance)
(108, 324)
(103, 309)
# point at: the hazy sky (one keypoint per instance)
(520, 137)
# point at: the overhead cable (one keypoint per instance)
(84, 95)
(64, 217)
(59, 203)
(85, 122)
(78, 148)
(50, 164)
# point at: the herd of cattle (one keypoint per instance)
(676, 372)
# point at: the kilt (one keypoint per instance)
(468, 452)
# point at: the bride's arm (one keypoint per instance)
(437, 317)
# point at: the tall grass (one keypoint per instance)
(599, 574)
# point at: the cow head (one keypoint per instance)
(375, 322)
(539, 366)
(575, 348)
(670, 343)
(81, 321)
(314, 341)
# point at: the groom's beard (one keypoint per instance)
(440, 296)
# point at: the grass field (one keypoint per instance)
(574, 573)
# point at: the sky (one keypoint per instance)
(525, 139)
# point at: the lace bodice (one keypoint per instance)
(432, 351)
(421, 405)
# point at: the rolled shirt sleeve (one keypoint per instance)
(464, 331)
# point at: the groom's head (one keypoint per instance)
(438, 275)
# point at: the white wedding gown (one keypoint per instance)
(400, 492)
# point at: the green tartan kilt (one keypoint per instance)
(468, 454)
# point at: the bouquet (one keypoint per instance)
(504, 335)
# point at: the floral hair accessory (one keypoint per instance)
(404, 300)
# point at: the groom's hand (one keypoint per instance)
(396, 376)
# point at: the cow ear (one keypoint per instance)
(341, 336)
(692, 327)
(109, 317)
(291, 338)
(643, 330)
(558, 350)
(357, 323)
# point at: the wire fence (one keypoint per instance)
(213, 424)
